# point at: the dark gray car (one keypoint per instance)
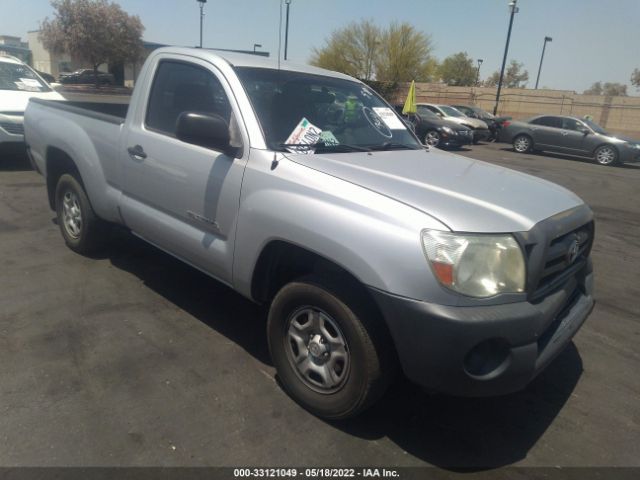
(570, 135)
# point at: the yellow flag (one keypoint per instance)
(410, 102)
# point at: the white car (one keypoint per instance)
(19, 83)
(480, 128)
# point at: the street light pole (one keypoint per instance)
(286, 30)
(201, 2)
(514, 10)
(544, 45)
(478, 73)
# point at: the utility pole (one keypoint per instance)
(544, 45)
(478, 73)
(514, 10)
(201, 2)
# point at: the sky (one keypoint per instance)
(593, 40)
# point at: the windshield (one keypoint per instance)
(450, 111)
(595, 127)
(15, 76)
(296, 109)
(426, 113)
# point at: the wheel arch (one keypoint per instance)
(58, 162)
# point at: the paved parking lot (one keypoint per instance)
(132, 358)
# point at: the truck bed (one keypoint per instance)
(108, 112)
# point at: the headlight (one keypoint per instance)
(635, 145)
(475, 265)
(448, 130)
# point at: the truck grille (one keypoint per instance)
(13, 128)
(565, 256)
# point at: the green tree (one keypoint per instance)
(351, 50)
(405, 55)
(514, 76)
(458, 70)
(608, 89)
(635, 78)
(362, 50)
(93, 31)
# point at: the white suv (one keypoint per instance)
(18, 83)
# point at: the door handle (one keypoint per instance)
(565, 133)
(137, 152)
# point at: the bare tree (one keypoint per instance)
(93, 31)
(362, 50)
(351, 50)
(405, 55)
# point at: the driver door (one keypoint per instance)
(182, 197)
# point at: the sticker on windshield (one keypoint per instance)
(27, 88)
(377, 122)
(390, 119)
(305, 133)
(329, 138)
(31, 82)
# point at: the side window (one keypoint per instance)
(571, 124)
(423, 109)
(181, 87)
(433, 109)
(554, 122)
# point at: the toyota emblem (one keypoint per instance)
(573, 251)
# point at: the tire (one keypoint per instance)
(82, 230)
(330, 355)
(432, 138)
(606, 155)
(522, 144)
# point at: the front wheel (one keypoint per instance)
(329, 359)
(522, 144)
(432, 138)
(82, 230)
(606, 155)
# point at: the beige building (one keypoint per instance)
(48, 62)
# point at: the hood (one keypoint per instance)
(473, 122)
(441, 122)
(623, 138)
(465, 194)
(16, 101)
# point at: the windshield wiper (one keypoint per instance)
(326, 146)
(393, 146)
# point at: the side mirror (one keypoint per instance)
(204, 129)
(584, 130)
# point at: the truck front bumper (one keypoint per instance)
(484, 350)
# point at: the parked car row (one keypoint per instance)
(570, 135)
(87, 75)
(447, 126)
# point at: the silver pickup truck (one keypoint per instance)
(302, 189)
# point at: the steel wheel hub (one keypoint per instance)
(317, 350)
(71, 214)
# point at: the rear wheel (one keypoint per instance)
(82, 230)
(432, 138)
(328, 353)
(606, 155)
(522, 144)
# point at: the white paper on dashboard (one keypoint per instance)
(390, 119)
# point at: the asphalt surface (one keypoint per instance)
(132, 358)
